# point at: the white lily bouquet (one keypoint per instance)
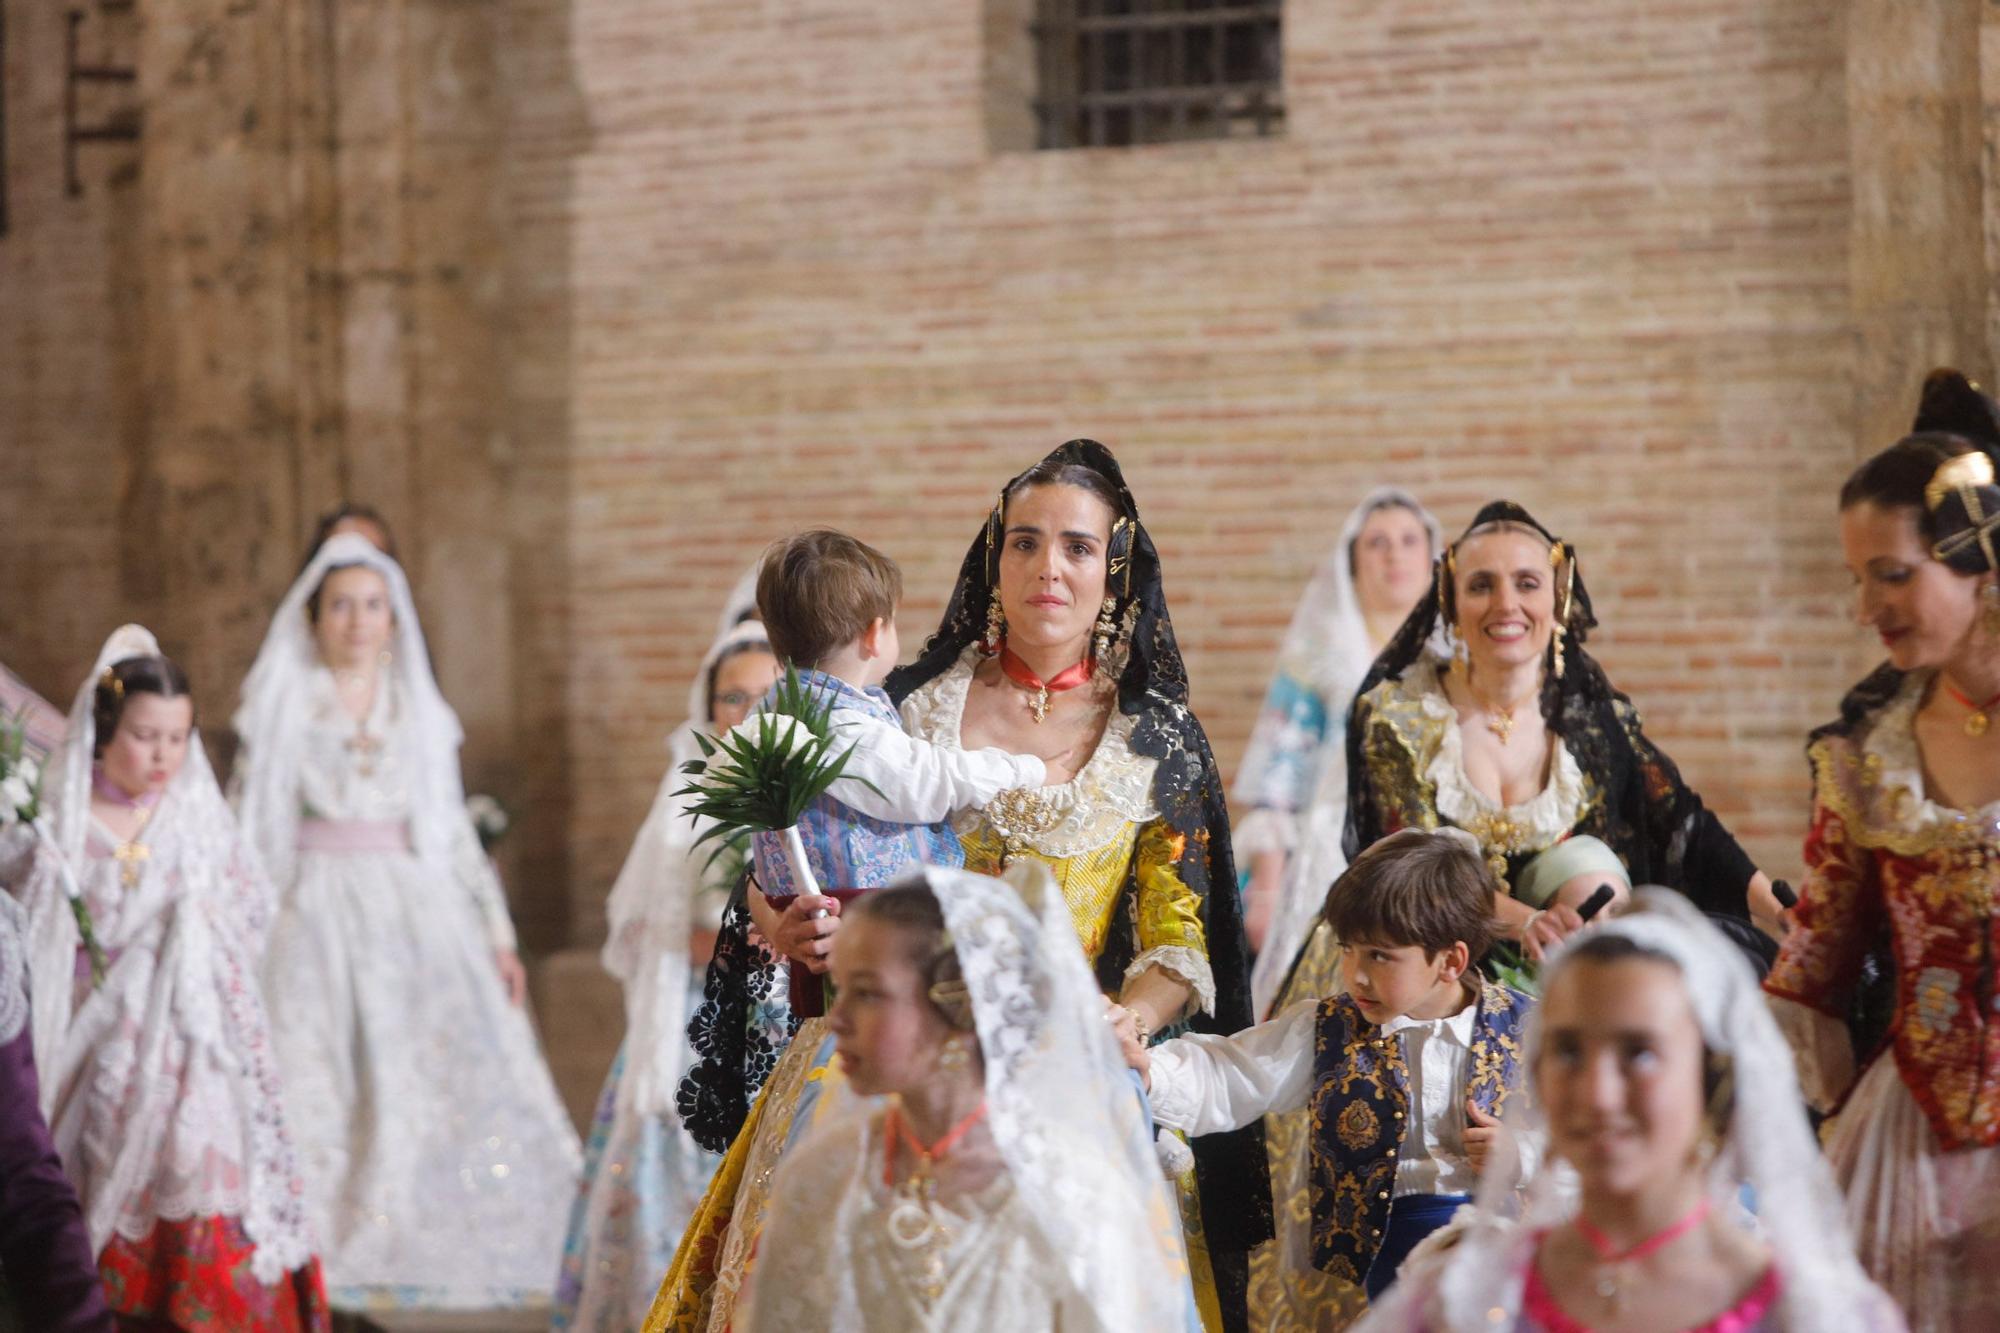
(761, 774)
(490, 819)
(21, 815)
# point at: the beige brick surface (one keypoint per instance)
(596, 297)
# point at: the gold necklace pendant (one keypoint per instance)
(1609, 1290)
(131, 857)
(1501, 724)
(1040, 704)
(1977, 724)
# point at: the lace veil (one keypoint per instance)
(192, 809)
(205, 972)
(1066, 1118)
(272, 719)
(1327, 647)
(1327, 640)
(651, 908)
(1477, 1283)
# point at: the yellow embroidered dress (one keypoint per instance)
(1101, 835)
(1139, 843)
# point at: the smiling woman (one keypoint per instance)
(1519, 739)
(1514, 735)
(1899, 861)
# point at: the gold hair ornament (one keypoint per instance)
(1563, 561)
(1959, 472)
(1120, 564)
(1965, 474)
(109, 680)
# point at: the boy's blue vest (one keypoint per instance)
(1360, 1099)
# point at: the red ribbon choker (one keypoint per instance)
(1023, 675)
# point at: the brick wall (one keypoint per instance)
(1591, 257)
(599, 296)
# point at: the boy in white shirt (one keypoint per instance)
(1406, 1071)
(828, 603)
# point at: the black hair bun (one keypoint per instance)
(1954, 405)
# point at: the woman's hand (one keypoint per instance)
(803, 932)
(1157, 998)
(1260, 896)
(513, 976)
(1125, 1026)
(1545, 929)
(1772, 917)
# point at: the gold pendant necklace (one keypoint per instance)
(1979, 720)
(1499, 721)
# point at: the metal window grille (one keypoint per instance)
(1119, 72)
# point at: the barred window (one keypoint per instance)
(1118, 72)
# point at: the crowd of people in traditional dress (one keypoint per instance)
(1500, 1028)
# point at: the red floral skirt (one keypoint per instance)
(196, 1276)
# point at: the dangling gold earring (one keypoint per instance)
(1989, 614)
(1460, 653)
(952, 1056)
(1107, 629)
(1557, 644)
(996, 625)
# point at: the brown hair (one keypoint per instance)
(1053, 472)
(818, 591)
(121, 681)
(913, 910)
(1430, 889)
(1896, 477)
(334, 517)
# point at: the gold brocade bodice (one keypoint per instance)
(1091, 881)
(1097, 833)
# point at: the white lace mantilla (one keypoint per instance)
(1111, 792)
(166, 1086)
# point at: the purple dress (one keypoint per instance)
(45, 1256)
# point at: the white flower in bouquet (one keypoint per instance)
(489, 818)
(762, 773)
(17, 798)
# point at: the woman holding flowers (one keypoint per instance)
(439, 1161)
(1057, 644)
(147, 919)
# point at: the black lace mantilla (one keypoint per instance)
(1231, 1168)
(1647, 814)
(734, 1053)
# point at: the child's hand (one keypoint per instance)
(1488, 1143)
(1126, 1029)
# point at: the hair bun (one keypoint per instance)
(1954, 405)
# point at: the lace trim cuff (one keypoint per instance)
(1266, 830)
(1184, 965)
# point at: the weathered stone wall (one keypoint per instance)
(294, 289)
